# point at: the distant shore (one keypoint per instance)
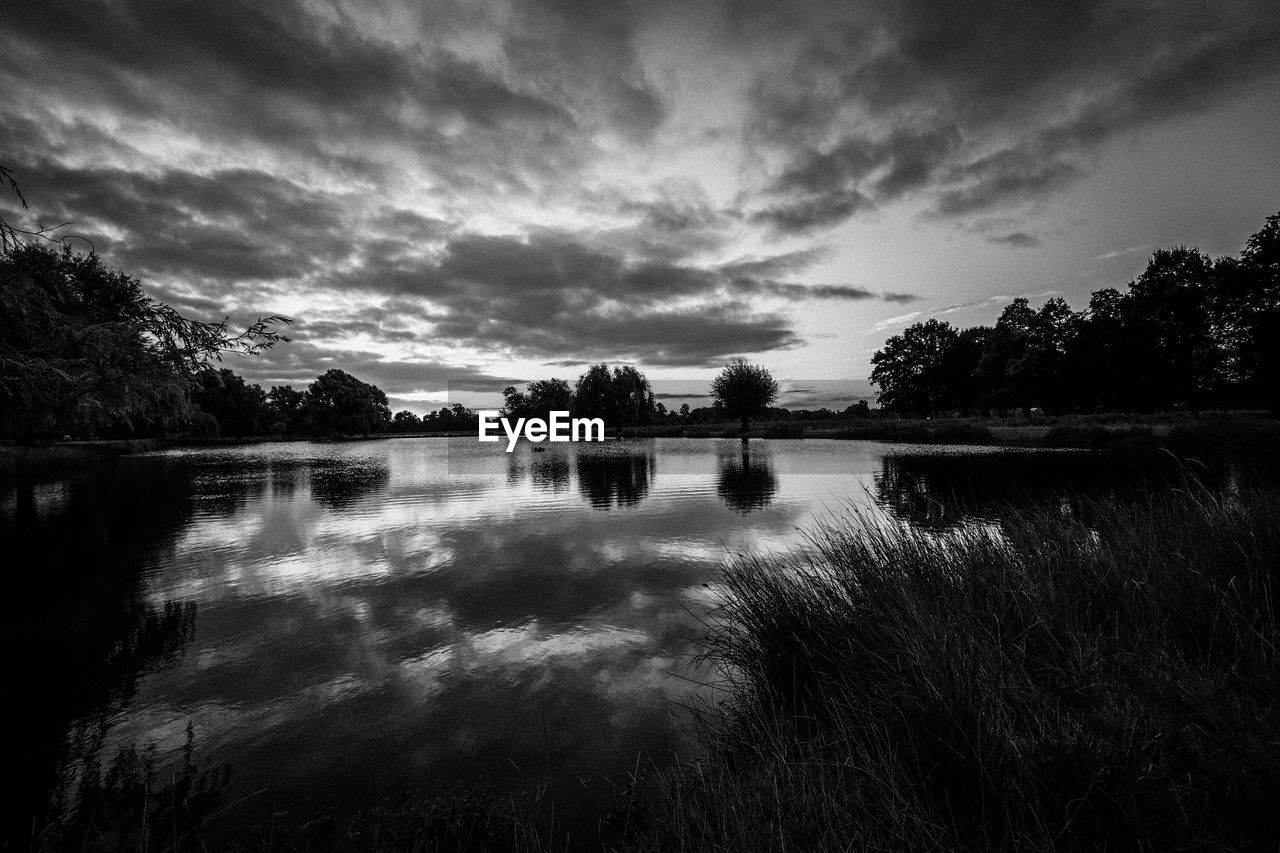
(1233, 431)
(1092, 432)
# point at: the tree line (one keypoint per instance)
(1188, 333)
(85, 353)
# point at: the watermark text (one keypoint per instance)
(560, 427)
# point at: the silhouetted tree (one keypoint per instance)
(859, 409)
(1168, 314)
(455, 418)
(912, 369)
(406, 421)
(338, 402)
(1251, 287)
(8, 234)
(1091, 377)
(238, 408)
(621, 398)
(593, 394)
(540, 397)
(1037, 375)
(633, 399)
(1000, 370)
(82, 347)
(960, 376)
(1188, 331)
(743, 389)
(288, 408)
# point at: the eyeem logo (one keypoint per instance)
(560, 428)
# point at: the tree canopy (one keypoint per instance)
(338, 402)
(1188, 332)
(744, 389)
(82, 347)
(540, 397)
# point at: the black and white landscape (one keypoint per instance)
(936, 347)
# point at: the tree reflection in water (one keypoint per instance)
(83, 633)
(549, 470)
(340, 483)
(939, 492)
(746, 481)
(616, 479)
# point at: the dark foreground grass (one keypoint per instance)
(1106, 679)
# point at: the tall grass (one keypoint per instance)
(1104, 678)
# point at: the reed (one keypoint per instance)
(1101, 678)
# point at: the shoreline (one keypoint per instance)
(1233, 432)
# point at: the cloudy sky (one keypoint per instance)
(467, 192)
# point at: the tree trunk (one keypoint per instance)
(744, 423)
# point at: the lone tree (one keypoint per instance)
(744, 389)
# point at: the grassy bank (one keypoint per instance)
(1109, 681)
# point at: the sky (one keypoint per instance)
(449, 196)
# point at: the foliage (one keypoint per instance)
(540, 397)
(238, 408)
(1189, 332)
(287, 408)
(621, 398)
(744, 389)
(911, 370)
(406, 421)
(83, 348)
(337, 402)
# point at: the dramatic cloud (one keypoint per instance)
(985, 106)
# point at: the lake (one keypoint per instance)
(329, 619)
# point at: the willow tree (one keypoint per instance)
(83, 348)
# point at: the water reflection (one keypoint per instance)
(430, 609)
(745, 480)
(944, 490)
(620, 478)
(341, 482)
(548, 469)
(80, 633)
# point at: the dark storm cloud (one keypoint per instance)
(295, 77)
(1018, 240)
(814, 211)
(587, 47)
(300, 362)
(552, 293)
(228, 226)
(984, 106)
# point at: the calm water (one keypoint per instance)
(330, 619)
